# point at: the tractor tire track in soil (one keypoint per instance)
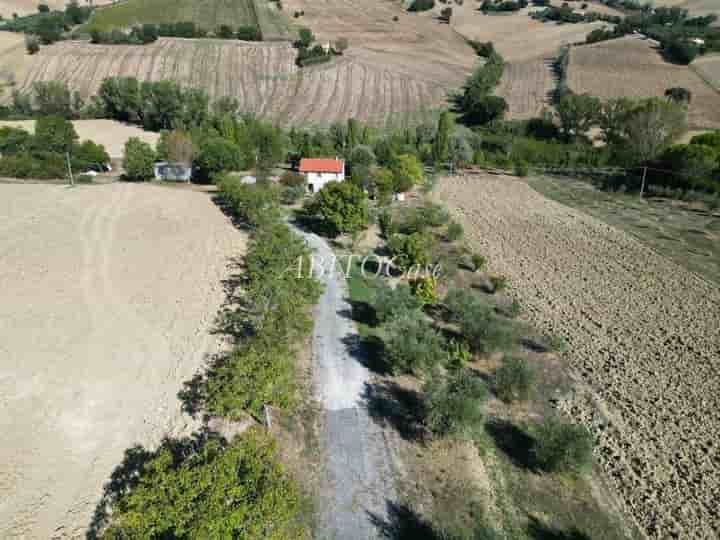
(643, 344)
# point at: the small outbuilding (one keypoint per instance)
(173, 172)
(319, 172)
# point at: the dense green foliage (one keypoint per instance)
(412, 345)
(483, 330)
(561, 447)
(391, 302)
(138, 160)
(453, 402)
(48, 25)
(476, 104)
(189, 489)
(339, 207)
(44, 154)
(410, 251)
(217, 155)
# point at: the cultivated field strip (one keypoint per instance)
(632, 67)
(526, 87)
(643, 342)
(263, 77)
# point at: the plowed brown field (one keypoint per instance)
(632, 67)
(262, 76)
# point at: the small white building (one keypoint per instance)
(173, 172)
(319, 172)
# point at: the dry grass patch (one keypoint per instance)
(632, 67)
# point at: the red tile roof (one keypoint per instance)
(321, 165)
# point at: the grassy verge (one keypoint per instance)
(688, 234)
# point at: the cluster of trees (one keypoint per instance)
(422, 5)
(45, 153)
(688, 167)
(47, 25)
(309, 54)
(565, 13)
(672, 27)
(502, 5)
(149, 33)
(477, 105)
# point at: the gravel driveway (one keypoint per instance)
(359, 476)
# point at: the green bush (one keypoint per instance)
(189, 489)
(483, 330)
(341, 207)
(254, 375)
(453, 403)
(521, 168)
(426, 216)
(425, 289)
(408, 251)
(498, 283)
(389, 303)
(253, 204)
(455, 232)
(412, 345)
(514, 380)
(478, 262)
(138, 160)
(562, 447)
(292, 179)
(217, 155)
(387, 225)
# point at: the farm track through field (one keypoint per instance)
(643, 344)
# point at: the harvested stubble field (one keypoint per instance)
(632, 67)
(262, 76)
(107, 305)
(643, 344)
(526, 86)
(111, 134)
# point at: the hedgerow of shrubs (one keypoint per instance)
(390, 302)
(209, 489)
(484, 331)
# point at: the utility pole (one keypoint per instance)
(67, 157)
(642, 186)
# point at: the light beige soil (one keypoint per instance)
(643, 342)
(107, 299)
(632, 67)
(262, 76)
(111, 134)
(526, 86)
(28, 7)
(708, 67)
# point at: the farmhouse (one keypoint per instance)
(319, 172)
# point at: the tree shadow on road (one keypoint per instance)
(388, 404)
(369, 350)
(403, 523)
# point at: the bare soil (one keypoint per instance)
(643, 344)
(109, 295)
(633, 67)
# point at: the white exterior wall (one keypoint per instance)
(316, 181)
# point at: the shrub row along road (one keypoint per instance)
(359, 476)
(108, 295)
(644, 344)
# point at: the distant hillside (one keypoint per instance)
(208, 14)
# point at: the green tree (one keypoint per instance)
(353, 133)
(32, 44)
(577, 114)
(55, 134)
(306, 37)
(163, 105)
(121, 98)
(52, 98)
(696, 162)
(392, 302)
(411, 250)
(412, 345)
(485, 110)
(138, 160)
(208, 489)
(441, 141)
(14, 140)
(679, 95)
(216, 155)
(613, 118)
(89, 155)
(561, 447)
(514, 380)
(407, 172)
(651, 127)
(341, 207)
(460, 152)
(453, 403)
(483, 330)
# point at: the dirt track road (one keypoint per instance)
(107, 298)
(644, 344)
(359, 476)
